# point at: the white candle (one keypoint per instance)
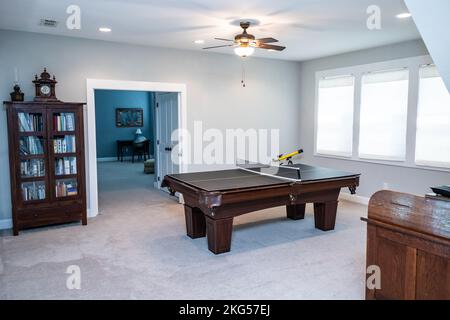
(16, 75)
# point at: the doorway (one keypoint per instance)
(165, 94)
(125, 138)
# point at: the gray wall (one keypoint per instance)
(278, 94)
(107, 133)
(373, 175)
(214, 91)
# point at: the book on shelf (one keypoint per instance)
(73, 166)
(23, 149)
(30, 122)
(64, 145)
(65, 189)
(33, 191)
(32, 168)
(66, 166)
(71, 190)
(30, 146)
(64, 122)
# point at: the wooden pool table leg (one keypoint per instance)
(219, 234)
(195, 222)
(325, 215)
(296, 211)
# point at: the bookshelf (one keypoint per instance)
(46, 153)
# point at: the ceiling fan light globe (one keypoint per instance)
(244, 51)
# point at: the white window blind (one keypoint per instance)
(335, 116)
(433, 120)
(383, 120)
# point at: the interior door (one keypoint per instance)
(166, 123)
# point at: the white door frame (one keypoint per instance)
(90, 133)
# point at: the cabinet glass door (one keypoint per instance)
(32, 155)
(65, 154)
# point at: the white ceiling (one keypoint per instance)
(308, 28)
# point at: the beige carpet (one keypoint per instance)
(137, 249)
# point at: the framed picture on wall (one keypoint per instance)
(129, 117)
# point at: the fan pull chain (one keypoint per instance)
(243, 74)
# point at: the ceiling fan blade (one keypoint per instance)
(227, 45)
(222, 39)
(270, 47)
(267, 40)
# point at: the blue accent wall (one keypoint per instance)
(106, 102)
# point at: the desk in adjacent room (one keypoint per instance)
(121, 145)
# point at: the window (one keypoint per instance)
(391, 112)
(383, 121)
(433, 120)
(335, 116)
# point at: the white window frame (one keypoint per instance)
(316, 127)
(384, 157)
(428, 163)
(413, 64)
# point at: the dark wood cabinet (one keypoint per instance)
(408, 238)
(46, 157)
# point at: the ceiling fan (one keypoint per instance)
(244, 44)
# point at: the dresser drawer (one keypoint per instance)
(36, 218)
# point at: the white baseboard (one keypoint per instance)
(114, 159)
(90, 213)
(5, 224)
(354, 198)
(111, 159)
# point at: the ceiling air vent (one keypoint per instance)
(48, 23)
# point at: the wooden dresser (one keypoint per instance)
(408, 238)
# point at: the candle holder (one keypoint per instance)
(17, 95)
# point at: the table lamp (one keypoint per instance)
(139, 136)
